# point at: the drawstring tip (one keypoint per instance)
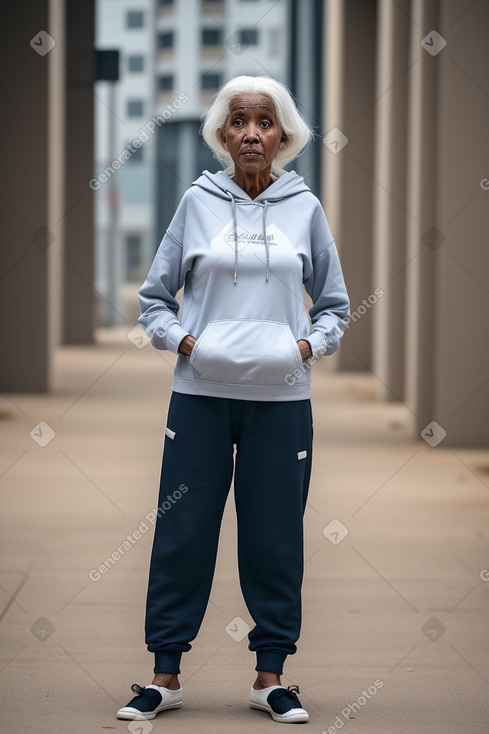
(235, 279)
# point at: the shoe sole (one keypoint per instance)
(139, 716)
(281, 718)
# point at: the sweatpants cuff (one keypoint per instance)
(167, 661)
(270, 660)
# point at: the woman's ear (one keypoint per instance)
(283, 141)
(222, 137)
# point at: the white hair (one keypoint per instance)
(293, 124)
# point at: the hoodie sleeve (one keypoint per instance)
(159, 307)
(326, 286)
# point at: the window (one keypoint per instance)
(248, 37)
(211, 80)
(165, 83)
(136, 154)
(135, 63)
(134, 19)
(135, 107)
(165, 40)
(211, 36)
(134, 248)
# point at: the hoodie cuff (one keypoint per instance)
(174, 336)
(317, 342)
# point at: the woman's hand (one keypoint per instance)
(186, 345)
(304, 348)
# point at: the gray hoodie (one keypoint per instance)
(243, 263)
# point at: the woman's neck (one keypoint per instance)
(253, 184)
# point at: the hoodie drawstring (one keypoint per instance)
(235, 223)
(235, 229)
(266, 240)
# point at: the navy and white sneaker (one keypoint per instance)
(150, 701)
(282, 703)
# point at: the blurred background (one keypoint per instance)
(102, 104)
(101, 138)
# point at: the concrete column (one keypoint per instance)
(389, 235)
(78, 311)
(348, 158)
(334, 41)
(31, 192)
(447, 351)
(421, 205)
(461, 344)
(56, 167)
(307, 44)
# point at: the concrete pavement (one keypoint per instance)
(396, 595)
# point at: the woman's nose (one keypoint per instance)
(251, 132)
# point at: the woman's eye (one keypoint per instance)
(237, 123)
(266, 123)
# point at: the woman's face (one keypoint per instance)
(252, 133)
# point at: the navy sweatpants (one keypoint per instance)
(272, 467)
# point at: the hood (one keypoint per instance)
(221, 185)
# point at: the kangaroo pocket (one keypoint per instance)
(246, 352)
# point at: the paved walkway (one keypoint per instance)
(396, 597)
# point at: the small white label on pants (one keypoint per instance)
(301, 455)
(169, 433)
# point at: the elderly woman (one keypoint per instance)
(242, 244)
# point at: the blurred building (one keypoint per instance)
(174, 54)
(124, 202)
(305, 79)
